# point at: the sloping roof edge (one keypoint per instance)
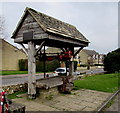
(51, 30)
(12, 45)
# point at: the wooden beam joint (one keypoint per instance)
(24, 49)
(77, 52)
(39, 48)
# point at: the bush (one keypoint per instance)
(83, 65)
(50, 65)
(112, 61)
(23, 65)
(98, 64)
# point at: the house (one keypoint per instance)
(9, 56)
(85, 56)
(92, 57)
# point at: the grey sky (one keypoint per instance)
(98, 21)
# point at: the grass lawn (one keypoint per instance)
(15, 72)
(103, 82)
(12, 72)
(14, 95)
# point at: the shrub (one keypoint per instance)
(23, 65)
(112, 61)
(83, 65)
(98, 64)
(50, 65)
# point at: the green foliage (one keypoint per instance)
(83, 65)
(49, 97)
(49, 66)
(104, 82)
(14, 95)
(13, 72)
(98, 64)
(112, 61)
(23, 65)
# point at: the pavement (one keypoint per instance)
(78, 100)
(115, 107)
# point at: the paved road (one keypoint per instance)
(115, 107)
(17, 79)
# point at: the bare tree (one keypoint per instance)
(2, 27)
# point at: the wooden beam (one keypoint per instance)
(77, 51)
(62, 49)
(24, 49)
(31, 71)
(39, 48)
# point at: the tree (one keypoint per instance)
(112, 61)
(2, 27)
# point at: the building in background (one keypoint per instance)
(85, 56)
(91, 57)
(10, 56)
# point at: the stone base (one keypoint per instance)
(32, 96)
(48, 93)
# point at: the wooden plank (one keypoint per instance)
(31, 25)
(18, 39)
(68, 40)
(40, 36)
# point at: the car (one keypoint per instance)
(61, 71)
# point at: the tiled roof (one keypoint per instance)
(90, 52)
(52, 25)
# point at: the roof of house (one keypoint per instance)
(90, 52)
(52, 25)
(2, 41)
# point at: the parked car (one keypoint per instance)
(61, 71)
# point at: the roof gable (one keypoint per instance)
(90, 52)
(52, 25)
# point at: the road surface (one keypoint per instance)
(18, 79)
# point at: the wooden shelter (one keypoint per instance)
(35, 28)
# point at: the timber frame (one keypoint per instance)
(35, 28)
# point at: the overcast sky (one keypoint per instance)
(97, 21)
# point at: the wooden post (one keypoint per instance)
(71, 68)
(44, 62)
(71, 63)
(31, 71)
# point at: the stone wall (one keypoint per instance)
(41, 92)
(48, 93)
(15, 88)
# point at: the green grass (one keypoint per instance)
(15, 72)
(12, 72)
(13, 96)
(103, 82)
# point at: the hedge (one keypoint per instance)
(23, 64)
(50, 65)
